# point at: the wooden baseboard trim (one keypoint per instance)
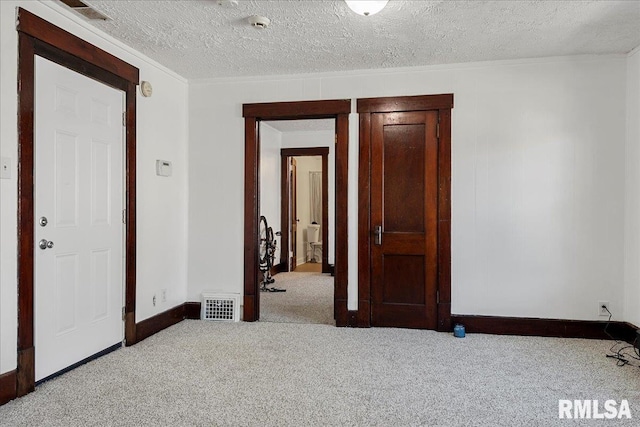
(192, 310)
(278, 268)
(352, 318)
(8, 390)
(26, 372)
(624, 331)
(364, 314)
(590, 329)
(444, 317)
(161, 321)
(341, 313)
(130, 335)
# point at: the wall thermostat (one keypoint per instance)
(163, 168)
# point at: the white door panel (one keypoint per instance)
(79, 189)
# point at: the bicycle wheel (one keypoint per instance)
(271, 247)
(263, 248)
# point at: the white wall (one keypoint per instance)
(162, 133)
(632, 208)
(303, 201)
(270, 143)
(323, 138)
(537, 177)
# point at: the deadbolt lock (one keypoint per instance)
(43, 221)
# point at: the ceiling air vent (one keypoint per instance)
(86, 10)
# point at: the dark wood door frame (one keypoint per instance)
(285, 155)
(255, 113)
(39, 37)
(292, 210)
(366, 107)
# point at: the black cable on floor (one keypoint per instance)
(622, 357)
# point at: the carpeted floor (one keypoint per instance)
(200, 373)
(309, 299)
(309, 267)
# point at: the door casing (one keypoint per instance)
(39, 37)
(292, 215)
(366, 107)
(253, 114)
(285, 155)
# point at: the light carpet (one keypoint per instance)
(309, 299)
(199, 373)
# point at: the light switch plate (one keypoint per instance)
(163, 168)
(5, 168)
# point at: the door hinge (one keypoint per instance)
(438, 130)
(124, 118)
(336, 138)
(437, 297)
(124, 216)
(123, 313)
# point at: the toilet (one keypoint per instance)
(314, 249)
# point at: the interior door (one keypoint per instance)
(404, 196)
(293, 192)
(78, 217)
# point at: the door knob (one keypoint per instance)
(44, 244)
(377, 238)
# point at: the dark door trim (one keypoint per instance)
(366, 106)
(39, 37)
(253, 114)
(285, 155)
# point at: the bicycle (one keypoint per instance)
(266, 255)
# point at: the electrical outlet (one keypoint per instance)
(154, 300)
(602, 311)
(164, 295)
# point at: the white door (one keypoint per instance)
(79, 190)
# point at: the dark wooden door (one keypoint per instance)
(293, 191)
(404, 218)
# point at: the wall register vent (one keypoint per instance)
(220, 307)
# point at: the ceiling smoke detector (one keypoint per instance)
(260, 22)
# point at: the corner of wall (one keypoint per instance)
(632, 191)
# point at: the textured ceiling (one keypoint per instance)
(200, 39)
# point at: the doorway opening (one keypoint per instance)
(307, 211)
(296, 196)
(337, 111)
